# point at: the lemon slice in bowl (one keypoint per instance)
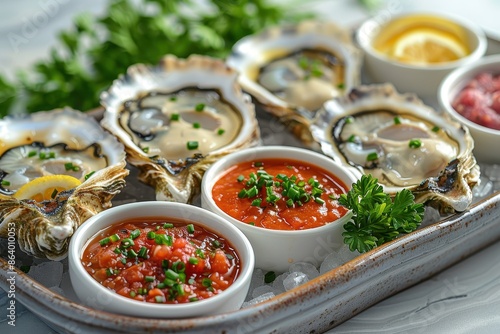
(427, 46)
(46, 187)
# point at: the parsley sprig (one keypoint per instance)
(97, 49)
(376, 217)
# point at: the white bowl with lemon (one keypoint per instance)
(415, 51)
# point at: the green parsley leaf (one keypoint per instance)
(377, 218)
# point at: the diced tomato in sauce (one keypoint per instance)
(479, 101)
(280, 215)
(166, 262)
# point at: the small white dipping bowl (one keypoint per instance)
(486, 140)
(276, 250)
(423, 80)
(93, 294)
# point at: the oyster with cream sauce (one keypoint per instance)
(57, 142)
(402, 142)
(291, 70)
(176, 118)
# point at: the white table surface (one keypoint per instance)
(462, 299)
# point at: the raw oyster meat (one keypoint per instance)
(292, 70)
(178, 117)
(402, 142)
(62, 141)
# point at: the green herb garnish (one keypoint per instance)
(269, 277)
(199, 107)
(415, 143)
(192, 145)
(376, 217)
(97, 49)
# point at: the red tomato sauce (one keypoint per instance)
(161, 262)
(479, 100)
(278, 212)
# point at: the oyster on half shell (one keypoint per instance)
(178, 117)
(292, 70)
(402, 142)
(56, 142)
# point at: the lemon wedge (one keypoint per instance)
(46, 187)
(426, 46)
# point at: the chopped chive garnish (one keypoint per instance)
(159, 299)
(168, 225)
(303, 63)
(240, 178)
(52, 155)
(199, 253)
(170, 274)
(174, 117)
(251, 223)
(199, 107)
(70, 166)
(193, 299)
(109, 272)
(178, 266)
(349, 120)
(196, 125)
(193, 260)
(163, 239)
(151, 235)
(190, 228)
(415, 143)
(41, 155)
(114, 237)
(173, 98)
(132, 294)
(372, 156)
(5, 183)
(54, 193)
(164, 264)
(256, 202)
(143, 253)
(220, 132)
(104, 241)
(135, 234)
(127, 243)
(319, 200)
(145, 149)
(123, 260)
(131, 254)
(216, 243)
(397, 120)
(192, 145)
(436, 128)
(206, 282)
(341, 85)
(351, 139)
(117, 251)
(31, 154)
(269, 277)
(258, 164)
(89, 175)
(149, 278)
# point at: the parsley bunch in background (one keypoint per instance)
(377, 218)
(96, 50)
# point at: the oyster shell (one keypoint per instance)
(402, 142)
(62, 141)
(178, 117)
(292, 70)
